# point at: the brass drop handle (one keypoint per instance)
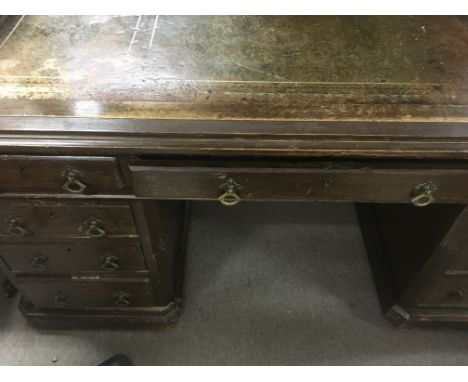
(38, 261)
(110, 263)
(93, 227)
(121, 298)
(72, 183)
(422, 194)
(60, 299)
(230, 197)
(16, 226)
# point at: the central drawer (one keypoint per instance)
(44, 218)
(228, 182)
(74, 257)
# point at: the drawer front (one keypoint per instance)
(449, 292)
(89, 294)
(40, 218)
(65, 175)
(365, 184)
(458, 264)
(69, 258)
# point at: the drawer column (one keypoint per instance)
(419, 258)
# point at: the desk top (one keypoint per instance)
(240, 68)
(338, 86)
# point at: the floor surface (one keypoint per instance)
(266, 284)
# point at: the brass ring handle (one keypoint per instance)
(93, 228)
(121, 298)
(72, 183)
(422, 194)
(15, 227)
(110, 263)
(230, 197)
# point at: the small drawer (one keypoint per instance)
(230, 183)
(78, 294)
(74, 257)
(62, 175)
(44, 218)
(447, 292)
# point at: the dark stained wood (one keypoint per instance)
(410, 236)
(452, 245)
(47, 218)
(73, 257)
(48, 174)
(413, 251)
(290, 86)
(383, 272)
(447, 292)
(347, 109)
(100, 318)
(326, 181)
(83, 136)
(9, 290)
(149, 277)
(88, 294)
(162, 226)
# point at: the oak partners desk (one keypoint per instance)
(109, 125)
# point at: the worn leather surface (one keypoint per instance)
(243, 67)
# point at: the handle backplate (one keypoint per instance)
(110, 263)
(121, 298)
(93, 227)
(16, 226)
(39, 261)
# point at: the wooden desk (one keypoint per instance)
(108, 125)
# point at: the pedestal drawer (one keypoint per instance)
(88, 294)
(449, 292)
(42, 218)
(65, 175)
(417, 183)
(73, 257)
